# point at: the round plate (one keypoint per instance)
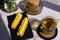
(39, 32)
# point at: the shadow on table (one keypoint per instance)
(3, 31)
(51, 6)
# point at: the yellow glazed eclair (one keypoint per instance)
(16, 20)
(23, 27)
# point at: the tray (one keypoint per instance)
(28, 33)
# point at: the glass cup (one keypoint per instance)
(32, 7)
(49, 24)
(34, 23)
(48, 27)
